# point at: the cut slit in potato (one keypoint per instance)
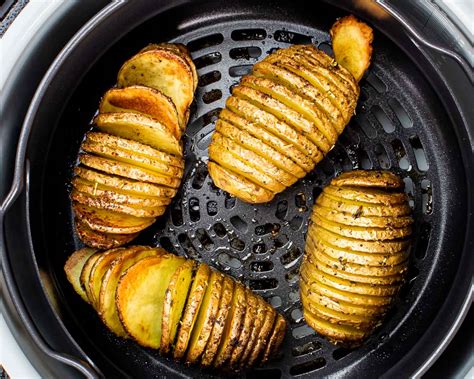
(73, 269)
(101, 240)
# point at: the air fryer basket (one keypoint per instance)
(400, 124)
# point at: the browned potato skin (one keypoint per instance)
(354, 265)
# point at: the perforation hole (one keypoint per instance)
(296, 222)
(365, 126)
(211, 207)
(240, 70)
(424, 234)
(166, 244)
(259, 248)
(341, 353)
(275, 301)
(206, 41)
(261, 266)
(316, 192)
(199, 176)
(207, 60)
(268, 228)
(281, 209)
(248, 34)
(237, 244)
(188, 246)
(364, 160)
(220, 230)
(307, 367)
(420, 157)
(376, 83)
(281, 241)
(263, 284)
(302, 331)
(401, 154)
(382, 156)
(294, 296)
(292, 276)
(383, 119)
(211, 96)
(426, 197)
(228, 261)
(247, 52)
(409, 190)
(327, 48)
(204, 239)
(229, 201)
(194, 209)
(296, 315)
(177, 214)
(401, 114)
(307, 348)
(300, 202)
(209, 78)
(239, 224)
(291, 257)
(286, 36)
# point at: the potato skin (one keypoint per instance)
(355, 263)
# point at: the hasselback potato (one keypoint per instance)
(356, 254)
(132, 163)
(181, 307)
(286, 115)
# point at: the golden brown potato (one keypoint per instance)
(356, 254)
(256, 329)
(276, 338)
(73, 269)
(101, 240)
(352, 45)
(264, 336)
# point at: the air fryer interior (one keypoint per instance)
(400, 124)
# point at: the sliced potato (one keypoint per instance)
(146, 100)
(101, 240)
(107, 204)
(132, 158)
(205, 319)
(107, 308)
(259, 147)
(175, 298)
(263, 337)
(367, 195)
(140, 128)
(193, 304)
(259, 321)
(73, 269)
(248, 108)
(238, 165)
(233, 325)
(85, 273)
(250, 316)
(376, 179)
(142, 287)
(238, 186)
(128, 171)
(163, 70)
(218, 327)
(111, 222)
(125, 185)
(117, 196)
(254, 160)
(276, 338)
(352, 45)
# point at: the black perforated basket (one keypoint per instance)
(405, 122)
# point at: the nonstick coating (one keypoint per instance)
(400, 124)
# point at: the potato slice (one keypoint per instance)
(132, 158)
(306, 108)
(359, 232)
(362, 221)
(286, 114)
(128, 171)
(254, 160)
(276, 339)
(259, 321)
(352, 44)
(101, 240)
(73, 269)
(232, 162)
(367, 195)
(163, 70)
(249, 108)
(302, 161)
(338, 333)
(136, 148)
(263, 337)
(238, 186)
(97, 272)
(142, 287)
(359, 208)
(110, 222)
(124, 185)
(250, 316)
(106, 305)
(193, 303)
(205, 319)
(146, 100)
(107, 204)
(371, 179)
(233, 325)
(140, 128)
(218, 327)
(175, 299)
(117, 196)
(85, 273)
